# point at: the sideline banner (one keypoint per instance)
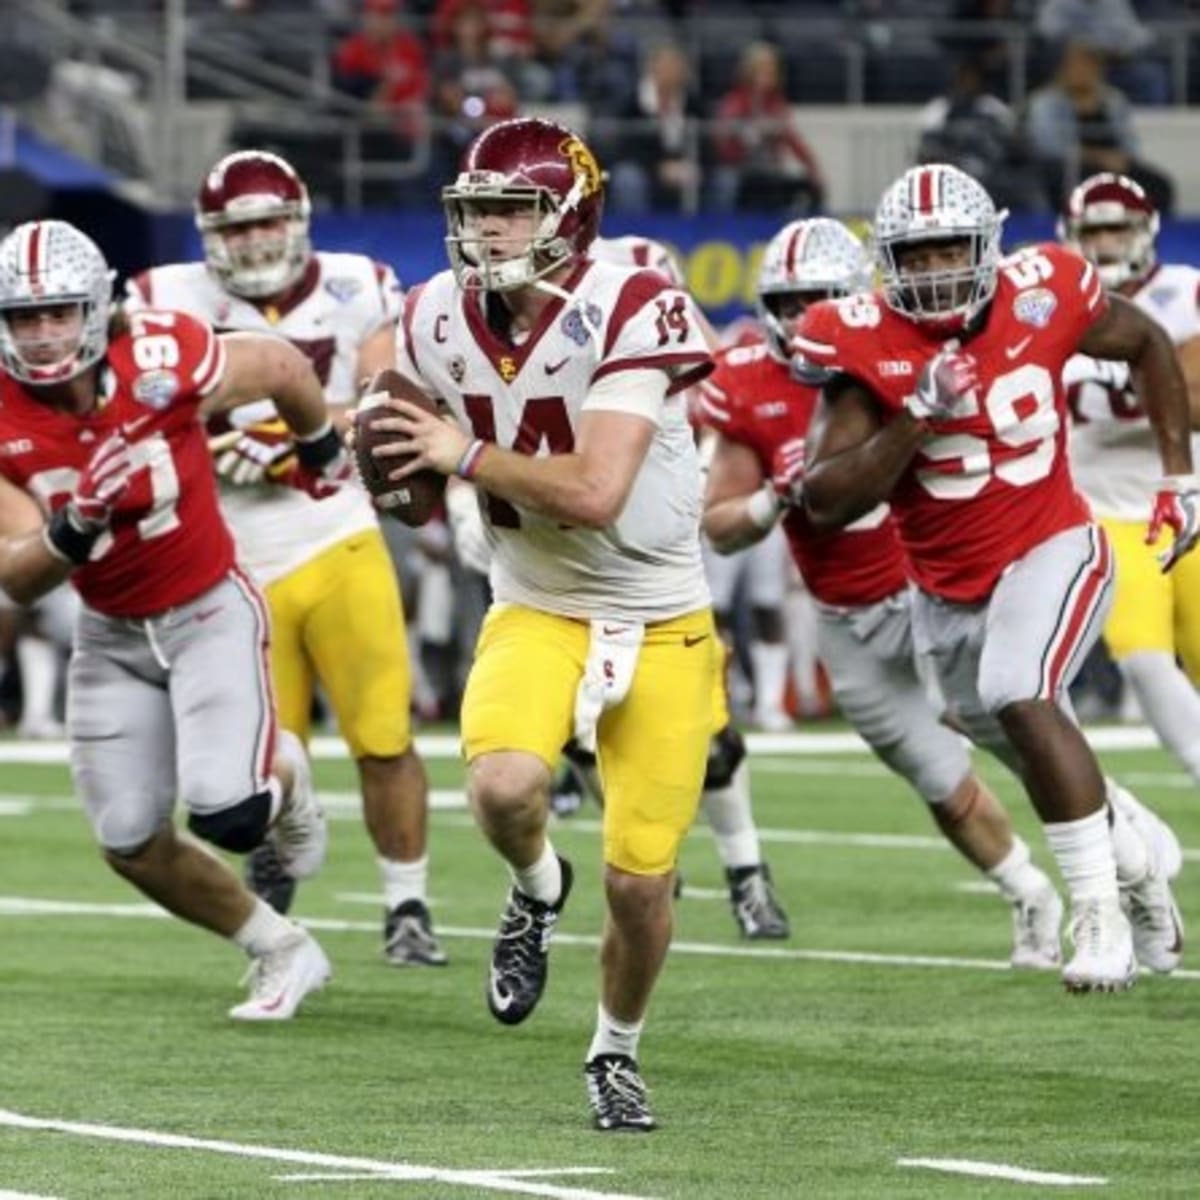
(720, 253)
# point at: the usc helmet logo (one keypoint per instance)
(583, 162)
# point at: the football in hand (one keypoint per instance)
(415, 499)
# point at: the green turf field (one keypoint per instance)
(801, 1070)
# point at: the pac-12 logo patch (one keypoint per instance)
(1035, 307)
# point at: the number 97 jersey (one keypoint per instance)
(610, 323)
(168, 543)
(989, 485)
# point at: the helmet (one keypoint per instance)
(537, 162)
(1112, 201)
(253, 185)
(46, 263)
(938, 203)
(819, 256)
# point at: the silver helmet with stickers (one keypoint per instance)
(938, 203)
(806, 261)
(52, 268)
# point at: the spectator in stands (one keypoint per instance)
(1079, 124)
(592, 58)
(385, 64)
(1113, 27)
(978, 133)
(651, 141)
(510, 26)
(979, 35)
(764, 162)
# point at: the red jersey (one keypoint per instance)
(168, 542)
(752, 399)
(986, 488)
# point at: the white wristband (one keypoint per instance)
(763, 507)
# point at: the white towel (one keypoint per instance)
(607, 674)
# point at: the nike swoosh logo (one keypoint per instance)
(207, 614)
(694, 639)
(131, 427)
(501, 1000)
(1011, 352)
(613, 630)
(554, 368)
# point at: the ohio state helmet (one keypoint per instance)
(1108, 201)
(931, 203)
(531, 161)
(254, 185)
(819, 257)
(44, 263)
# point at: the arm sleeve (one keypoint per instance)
(640, 393)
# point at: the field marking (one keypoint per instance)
(443, 746)
(497, 1180)
(25, 1196)
(28, 906)
(985, 1170)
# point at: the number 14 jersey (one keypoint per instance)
(987, 487)
(529, 396)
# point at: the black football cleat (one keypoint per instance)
(755, 908)
(408, 937)
(617, 1095)
(267, 879)
(520, 953)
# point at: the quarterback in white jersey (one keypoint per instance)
(564, 376)
(331, 586)
(1155, 617)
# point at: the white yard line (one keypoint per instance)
(442, 746)
(485, 1180)
(25, 1196)
(985, 1170)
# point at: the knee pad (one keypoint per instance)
(725, 753)
(239, 828)
(574, 753)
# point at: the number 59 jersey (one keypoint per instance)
(530, 395)
(989, 485)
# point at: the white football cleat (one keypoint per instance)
(1036, 925)
(1149, 903)
(300, 835)
(281, 978)
(1103, 959)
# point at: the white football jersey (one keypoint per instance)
(529, 396)
(637, 252)
(341, 300)
(1114, 456)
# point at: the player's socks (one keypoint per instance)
(37, 660)
(1015, 875)
(729, 815)
(265, 931)
(542, 879)
(1084, 853)
(403, 881)
(1169, 703)
(614, 1036)
(770, 678)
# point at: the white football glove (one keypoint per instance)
(945, 382)
(1177, 504)
(261, 453)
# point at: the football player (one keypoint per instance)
(564, 378)
(1155, 617)
(726, 798)
(857, 575)
(105, 479)
(944, 393)
(336, 614)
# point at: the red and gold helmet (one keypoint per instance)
(530, 162)
(1115, 205)
(244, 189)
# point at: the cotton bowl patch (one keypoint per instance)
(155, 389)
(1035, 307)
